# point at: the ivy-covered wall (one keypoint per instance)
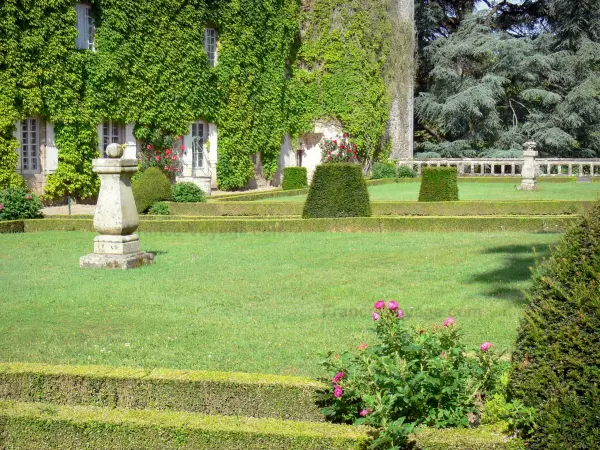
(281, 65)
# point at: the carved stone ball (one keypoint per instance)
(114, 151)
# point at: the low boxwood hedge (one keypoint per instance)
(43, 426)
(222, 393)
(237, 209)
(294, 178)
(463, 439)
(337, 190)
(552, 224)
(439, 184)
(261, 195)
(12, 226)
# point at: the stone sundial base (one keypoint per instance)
(130, 261)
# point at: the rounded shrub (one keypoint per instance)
(294, 178)
(406, 172)
(556, 363)
(383, 170)
(159, 209)
(150, 187)
(19, 203)
(439, 184)
(188, 193)
(338, 190)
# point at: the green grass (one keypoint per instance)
(270, 303)
(480, 191)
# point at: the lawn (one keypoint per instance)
(272, 303)
(482, 191)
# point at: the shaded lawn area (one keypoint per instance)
(480, 191)
(271, 303)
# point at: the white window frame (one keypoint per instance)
(86, 28)
(210, 45)
(110, 132)
(32, 134)
(199, 130)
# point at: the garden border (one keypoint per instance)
(552, 224)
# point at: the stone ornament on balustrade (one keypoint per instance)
(529, 171)
(116, 217)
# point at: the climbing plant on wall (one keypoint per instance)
(344, 61)
(150, 68)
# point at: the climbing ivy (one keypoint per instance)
(150, 68)
(343, 63)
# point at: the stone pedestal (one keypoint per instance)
(116, 217)
(529, 171)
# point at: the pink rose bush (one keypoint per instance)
(409, 377)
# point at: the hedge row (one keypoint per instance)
(403, 208)
(228, 394)
(261, 195)
(463, 439)
(356, 224)
(237, 209)
(12, 226)
(43, 426)
(481, 208)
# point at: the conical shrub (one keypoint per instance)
(556, 363)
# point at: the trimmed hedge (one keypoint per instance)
(481, 208)
(228, 394)
(261, 195)
(42, 426)
(439, 184)
(150, 187)
(551, 224)
(337, 190)
(294, 178)
(556, 362)
(463, 439)
(403, 208)
(237, 209)
(12, 226)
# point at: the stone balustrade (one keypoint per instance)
(498, 167)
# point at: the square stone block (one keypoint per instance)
(123, 262)
(116, 245)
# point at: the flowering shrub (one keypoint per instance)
(411, 377)
(164, 152)
(338, 150)
(18, 203)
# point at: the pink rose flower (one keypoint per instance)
(338, 392)
(28, 197)
(400, 314)
(158, 157)
(338, 377)
(375, 317)
(449, 322)
(167, 168)
(182, 147)
(486, 346)
(1, 206)
(380, 304)
(393, 305)
(149, 147)
(173, 158)
(365, 412)
(363, 346)
(168, 151)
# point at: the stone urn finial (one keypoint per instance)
(529, 170)
(116, 217)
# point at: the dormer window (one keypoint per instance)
(86, 27)
(210, 45)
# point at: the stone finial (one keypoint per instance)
(115, 150)
(530, 146)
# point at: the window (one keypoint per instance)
(210, 45)
(31, 140)
(112, 133)
(85, 27)
(199, 138)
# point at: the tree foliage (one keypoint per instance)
(491, 90)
